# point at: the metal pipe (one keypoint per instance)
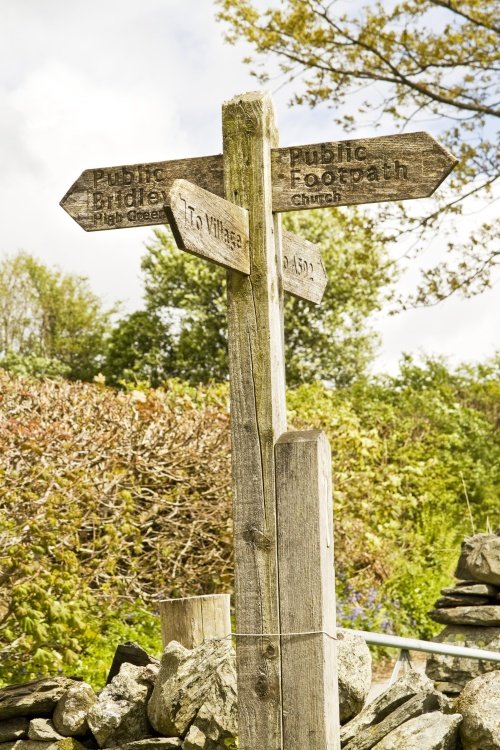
(412, 644)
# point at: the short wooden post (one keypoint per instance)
(258, 416)
(307, 592)
(193, 620)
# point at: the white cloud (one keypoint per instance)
(96, 84)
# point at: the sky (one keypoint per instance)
(98, 84)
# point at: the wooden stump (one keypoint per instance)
(193, 620)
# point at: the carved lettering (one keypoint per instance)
(300, 266)
(342, 176)
(315, 199)
(214, 226)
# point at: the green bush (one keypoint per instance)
(110, 500)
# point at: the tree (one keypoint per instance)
(413, 61)
(50, 322)
(139, 349)
(331, 341)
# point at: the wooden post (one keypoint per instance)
(193, 620)
(258, 417)
(307, 592)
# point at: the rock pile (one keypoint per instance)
(410, 715)
(188, 702)
(471, 611)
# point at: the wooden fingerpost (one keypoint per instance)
(195, 619)
(258, 418)
(307, 592)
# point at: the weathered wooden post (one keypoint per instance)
(258, 416)
(307, 591)
(285, 596)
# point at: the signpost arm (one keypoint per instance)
(258, 416)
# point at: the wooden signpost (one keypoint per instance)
(217, 230)
(338, 173)
(226, 209)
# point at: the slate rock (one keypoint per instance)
(196, 687)
(480, 559)
(195, 739)
(433, 731)
(355, 674)
(479, 704)
(67, 743)
(35, 698)
(449, 688)
(43, 730)
(462, 600)
(421, 703)
(119, 714)
(451, 673)
(410, 684)
(13, 729)
(70, 714)
(212, 726)
(472, 588)
(153, 743)
(129, 653)
(487, 616)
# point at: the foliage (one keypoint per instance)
(404, 449)
(409, 61)
(50, 323)
(332, 341)
(139, 349)
(110, 500)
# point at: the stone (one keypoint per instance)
(355, 673)
(35, 698)
(13, 729)
(472, 588)
(421, 703)
(433, 731)
(153, 743)
(479, 704)
(410, 684)
(129, 653)
(43, 730)
(461, 600)
(449, 688)
(195, 739)
(196, 687)
(487, 616)
(70, 714)
(67, 743)
(480, 559)
(119, 714)
(457, 671)
(212, 724)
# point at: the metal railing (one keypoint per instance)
(405, 645)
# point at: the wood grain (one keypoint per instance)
(134, 195)
(369, 170)
(307, 591)
(195, 619)
(335, 173)
(304, 273)
(209, 226)
(257, 382)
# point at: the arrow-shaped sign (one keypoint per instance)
(339, 173)
(345, 173)
(304, 274)
(217, 230)
(209, 226)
